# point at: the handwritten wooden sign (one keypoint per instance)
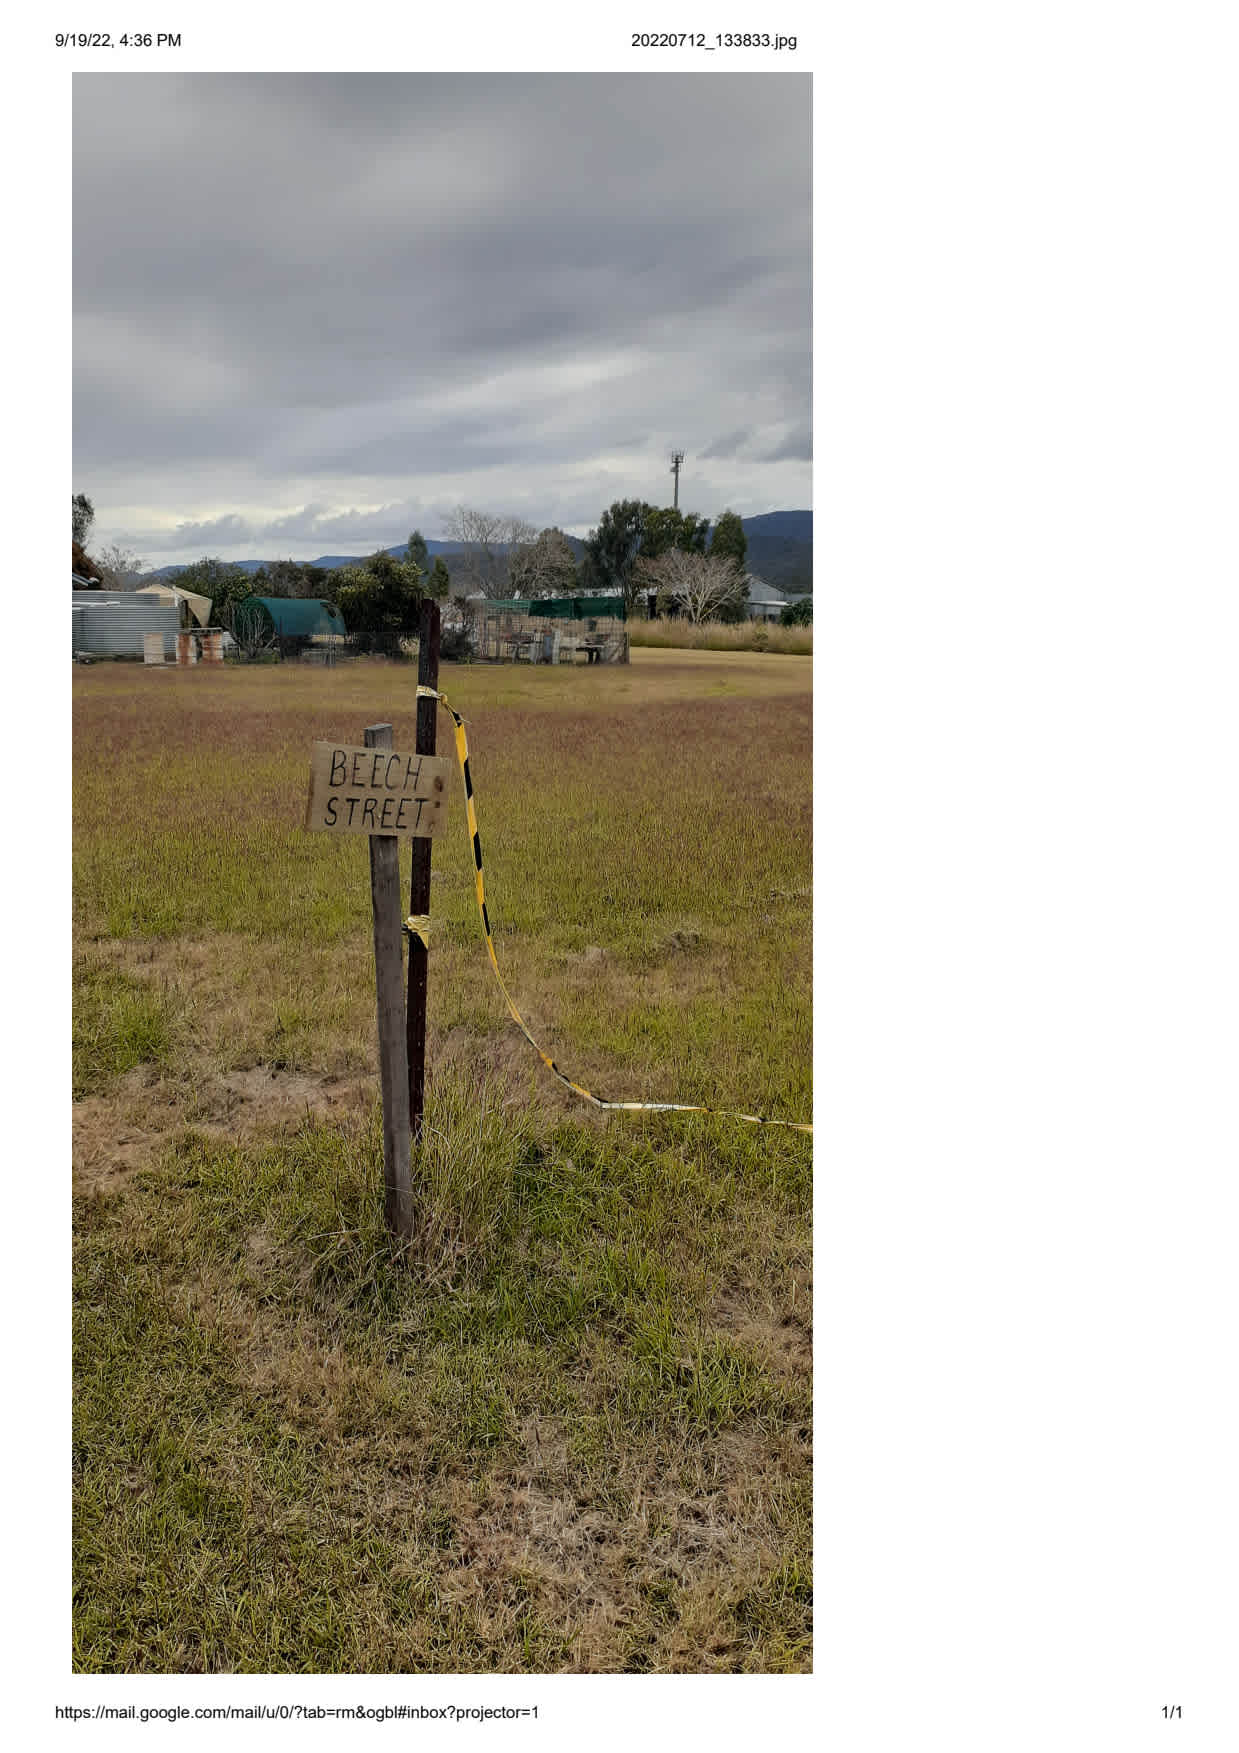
(376, 791)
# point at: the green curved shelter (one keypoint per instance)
(287, 617)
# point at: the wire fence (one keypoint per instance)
(481, 638)
(511, 637)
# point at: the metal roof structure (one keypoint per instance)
(761, 592)
(114, 623)
(199, 606)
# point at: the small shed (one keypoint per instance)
(197, 606)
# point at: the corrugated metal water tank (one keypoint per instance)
(114, 622)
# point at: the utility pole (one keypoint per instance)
(677, 457)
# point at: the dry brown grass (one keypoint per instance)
(757, 636)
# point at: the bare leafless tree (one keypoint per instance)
(543, 566)
(703, 586)
(119, 569)
(481, 562)
(253, 630)
(487, 541)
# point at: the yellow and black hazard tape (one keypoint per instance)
(420, 924)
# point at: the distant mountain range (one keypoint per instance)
(780, 551)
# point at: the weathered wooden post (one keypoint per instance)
(388, 983)
(419, 882)
(386, 796)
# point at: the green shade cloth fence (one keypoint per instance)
(561, 608)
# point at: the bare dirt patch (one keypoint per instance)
(266, 1098)
(116, 1135)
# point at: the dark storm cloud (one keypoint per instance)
(365, 291)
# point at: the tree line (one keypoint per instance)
(657, 556)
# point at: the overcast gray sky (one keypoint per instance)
(313, 311)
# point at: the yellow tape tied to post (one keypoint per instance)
(419, 925)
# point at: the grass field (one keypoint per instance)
(570, 1430)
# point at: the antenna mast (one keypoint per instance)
(677, 457)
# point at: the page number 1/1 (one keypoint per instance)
(1169, 1710)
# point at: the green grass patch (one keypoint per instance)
(567, 1426)
(119, 1022)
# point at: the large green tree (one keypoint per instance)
(611, 550)
(440, 581)
(669, 528)
(382, 595)
(418, 552)
(729, 541)
(289, 578)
